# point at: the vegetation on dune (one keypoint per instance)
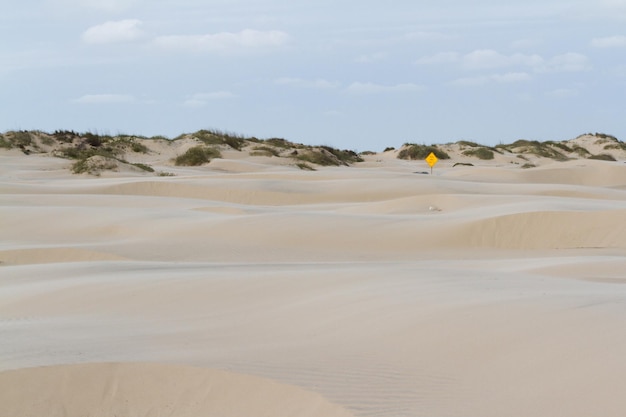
(197, 155)
(304, 166)
(480, 153)
(533, 147)
(327, 156)
(93, 152)
(216, 137)
(466, 143)
(603, 157)
(263, 150)
(415, 151)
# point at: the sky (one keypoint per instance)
(360, 75)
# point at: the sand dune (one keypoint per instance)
(151, 390)
(249, 287)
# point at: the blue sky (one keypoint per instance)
(361, 75)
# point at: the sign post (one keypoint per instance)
(431, 160)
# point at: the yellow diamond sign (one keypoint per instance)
(431, 159)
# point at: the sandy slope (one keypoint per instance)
(142, 389)
(478, 291)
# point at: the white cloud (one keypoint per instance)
(510, 77)
(224, 41)
(609, 42)
(109, 6)
(426, 36)
(485, 59)
(440, 58)
(104, 99)
(318, 83)
(469, 81)
(562, 93)
(369, 58)
(488, 58)
(481, 59)
(113, 32)
(372, 88)
(569, 62)
(524, 43)
(201, 99)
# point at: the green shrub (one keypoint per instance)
(561, 146)
(480, 153)
(145, 167)
(468, 143)
(390, 148)
(264, 151)
(603, 157)
(22, 138)
(318, 157)
(88, 165)
(327, 156)
(413, 151)
(345, 156)
(4, 143)
(533, 147)
(581, 151)
(197, 155)
(304, 166)
(280, 143)
(138, 147)
(215, 137)
(616, 146)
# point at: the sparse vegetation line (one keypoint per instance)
(93, 153)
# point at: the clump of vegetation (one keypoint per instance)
(93, 165)
(560, 145)
(603, 138)
(389, 148)
(143, 167)
(616, 146)
(4, 143)
(264, 151)
(22, 138)
(327, 156)
(282, 143)
(465, 164)
(533, 147)
(468, 144)
(603, 157)
(480, 153)
(216, 137)
(414, 151)
(528, 165)
(580, 151)
(304, 166)
(197, 155)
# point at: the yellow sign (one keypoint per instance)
(431, 159)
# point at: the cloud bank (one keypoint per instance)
(114, 32)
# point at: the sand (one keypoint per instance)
(247, 287)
